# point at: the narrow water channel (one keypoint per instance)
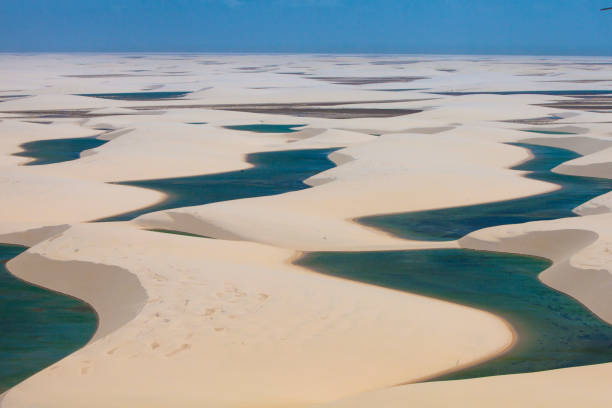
(448, 224)
(554, 330)
(272, 173)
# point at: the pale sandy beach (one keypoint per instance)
(228, 319)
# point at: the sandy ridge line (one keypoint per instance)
(60, 247)
(89, 282)
(512, 341)
(558, 245)
(185, 241)
(86, 281)
(588, 286)
(326, 224)
(562, 241)
(505, 348)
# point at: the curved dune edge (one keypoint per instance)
(571, 387)
(27, 236)
(351, 337)
(591, 287)
(587, 170)
(83, 280)
(391, 169)
(44, 199)
(502, 349)
(88, 281)
(187, 223)
(582, 145)
(161, 198)
(59, 193)
(499, 352)
(574, 245)
(598, 205)
(569, 243)
(74, 386)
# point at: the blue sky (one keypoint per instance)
(563, 27)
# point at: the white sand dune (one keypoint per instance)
(598, 205)
(50, 199)
(16, 133)
(395, 170)
(580, 249)
(289, 337)
(593, 165)
(571, 387)
(231, 322)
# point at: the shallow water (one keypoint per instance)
(57, 150)
(554, 330)
(573, 92)
(174, 232)
(401, 89)
(266, 128)
(454, 223)
(138, 96)
(38, 326)
(272, 173)
(549, 132)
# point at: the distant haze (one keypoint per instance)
(562, 27)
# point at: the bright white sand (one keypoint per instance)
(572, 387)
(230, 322)
(286, 335)
(395, 170)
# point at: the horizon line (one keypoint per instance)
(347, 53)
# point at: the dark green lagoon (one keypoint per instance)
(266, 128)
(57, 150)
(38, 326)
(454, 223)
(272, 173)
(554, 331)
